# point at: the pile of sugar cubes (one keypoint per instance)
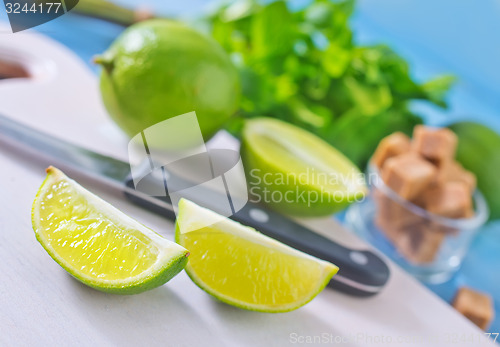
(423, 171)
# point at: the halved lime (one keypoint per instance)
(97, 244)
(241, 267)
(296, 172)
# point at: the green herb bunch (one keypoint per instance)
(304, 67)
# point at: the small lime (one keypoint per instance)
(158, 69)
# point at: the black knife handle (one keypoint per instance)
(362, 272)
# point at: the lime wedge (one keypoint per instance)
(99, 245)
(241, 267)
(295, 172)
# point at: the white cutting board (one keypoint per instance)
(41, 305)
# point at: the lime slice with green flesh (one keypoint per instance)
(99, 245)
(295, 172)
(241, 267)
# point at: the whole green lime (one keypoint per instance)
(158, 69)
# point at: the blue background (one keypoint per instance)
(447, 36)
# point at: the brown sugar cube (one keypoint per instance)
(384, 206)
(443, 173)
(434, 144)
(456, 173)
(453, 171)
(450, 200)
(386, 227)
(389, 231)
(392, 218)
(420, 243)
(412, 235)
(395, 214)
(391, 146)
(475, 306)
(383, 214)
(408, 175)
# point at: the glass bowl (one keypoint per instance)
(428, 246)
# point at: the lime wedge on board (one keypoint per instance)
(99, 245)
(241, 267)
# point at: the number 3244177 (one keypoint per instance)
(46, 7)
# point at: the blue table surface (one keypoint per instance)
(447, 36)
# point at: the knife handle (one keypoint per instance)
(361, 272)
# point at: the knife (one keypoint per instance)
(362, 272)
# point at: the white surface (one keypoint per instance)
(41, 305)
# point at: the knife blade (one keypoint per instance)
(362, 272)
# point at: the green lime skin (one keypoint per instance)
(159, 278)
(478, 152)
(158, 69)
